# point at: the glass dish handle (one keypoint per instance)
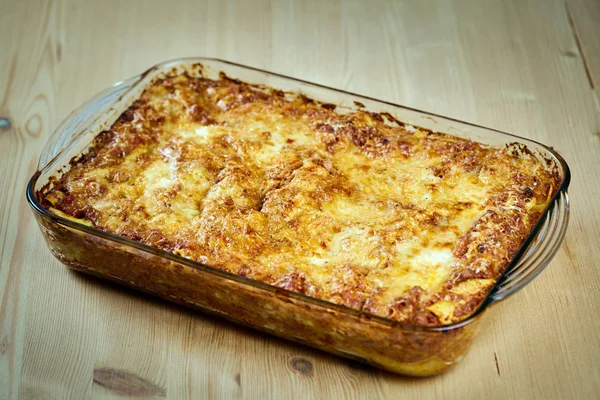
(540, 252)
(74, 125)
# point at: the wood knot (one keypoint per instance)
(126, 383)
(301, 365)
(34, 126)
(570, 54)
(4, 123)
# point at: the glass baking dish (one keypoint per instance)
(391, 345)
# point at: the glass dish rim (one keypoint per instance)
(135, 80)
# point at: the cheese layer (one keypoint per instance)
(352, 208)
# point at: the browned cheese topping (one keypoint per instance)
(350, 208)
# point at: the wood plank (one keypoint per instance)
(27, 98)
(508, 65)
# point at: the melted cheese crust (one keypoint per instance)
(397, 221)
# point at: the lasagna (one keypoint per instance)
(344, 205)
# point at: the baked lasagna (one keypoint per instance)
(348, 206)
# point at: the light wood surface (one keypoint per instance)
(527, 67)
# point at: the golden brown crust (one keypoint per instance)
(390, 219)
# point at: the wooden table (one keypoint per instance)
(527, 67)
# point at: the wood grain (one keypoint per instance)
(514, 65)
(584, 17)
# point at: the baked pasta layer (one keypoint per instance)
(353, 207)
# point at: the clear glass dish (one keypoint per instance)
(391, 345)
